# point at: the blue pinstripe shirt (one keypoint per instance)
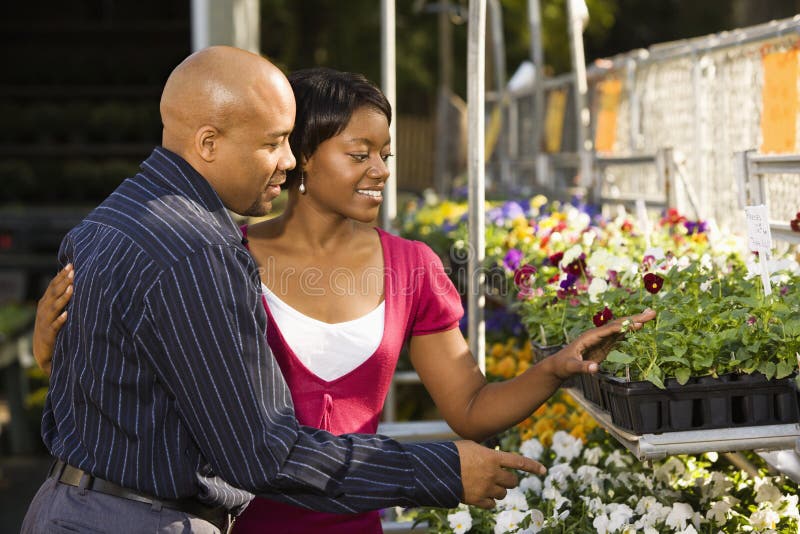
(163, 381)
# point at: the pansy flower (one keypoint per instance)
(695, 227)
(577, 267)
(512, 259)
(653, 283)
(602, 317)
(555, 259)
(795, 223)
(523, 276)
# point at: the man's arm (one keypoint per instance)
(207, 316)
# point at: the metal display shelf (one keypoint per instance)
(658, 446)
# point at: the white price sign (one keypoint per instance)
(759, 239)
(759, 236)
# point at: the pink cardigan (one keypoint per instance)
(420, 299)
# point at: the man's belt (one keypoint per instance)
(72, 476)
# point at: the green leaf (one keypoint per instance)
(792, 327)
(616, 356)
(785, 368)
(683, 374)
(654, 375)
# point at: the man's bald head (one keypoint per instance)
(211, 87)
(228, 113)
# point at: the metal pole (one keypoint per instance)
(389, 84)
(581, 89)
(499, 52)
(476, 94)
(200, 24)
(445, 142)
(537, 57)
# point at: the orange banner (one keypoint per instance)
(779, 97)
(606, 132)
(554, 120)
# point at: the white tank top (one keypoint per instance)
(329, 350)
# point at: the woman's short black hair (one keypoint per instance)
(326, 99)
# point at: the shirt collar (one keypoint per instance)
(182, 177)
(178, 175)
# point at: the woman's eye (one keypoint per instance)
(360, 158)
(385, 157)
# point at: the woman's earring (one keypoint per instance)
(302, 187)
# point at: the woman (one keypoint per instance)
(343, 297)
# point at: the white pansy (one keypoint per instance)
(565, 446)
(618, 516)
(595, 506)
(587, 238)
(537, 521)
(790, 508)
(514, 500)
(718, 512)
(618, 459)
(552, 494)
(531, 448)
(646, 504)
(688, 530)
(717, 485)
(764, 518)
(784, 265)
(531, 483)
(706, 262)
(673, 467)
(557, 480)
(679, 516)
(768, 493)
(460, 521)
(601, 523)
(570, 255)
(588, 475)
(597, 288)
(592, 455)
(601, 261)
(508, 521)
(705, 286)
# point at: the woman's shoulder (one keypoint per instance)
(408, 250)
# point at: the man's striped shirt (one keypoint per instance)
(163, 380)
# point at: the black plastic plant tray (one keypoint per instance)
(729, 401)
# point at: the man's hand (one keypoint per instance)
(485, 475)
(50, 316)
(585, 353)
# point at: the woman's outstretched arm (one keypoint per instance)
(476, 409)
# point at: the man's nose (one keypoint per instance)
(287, 160)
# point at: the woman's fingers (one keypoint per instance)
(63, 298)
(595, 344)
(56, 296)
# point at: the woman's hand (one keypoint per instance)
(585, 353)
(50, 316)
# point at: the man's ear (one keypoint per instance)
(206, 143)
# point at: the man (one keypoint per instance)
(166, 409)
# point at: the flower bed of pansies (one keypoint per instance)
(594, 486)
(566, 268)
